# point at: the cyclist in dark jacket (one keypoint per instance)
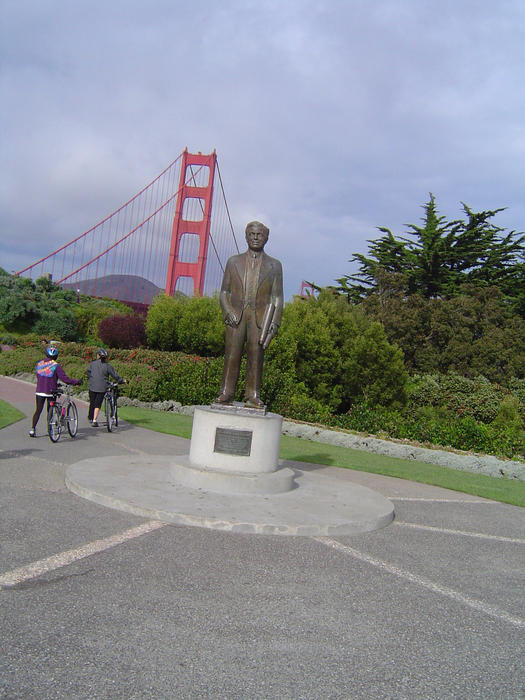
(99, 372)
(48, 372)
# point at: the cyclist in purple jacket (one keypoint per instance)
(48, 372)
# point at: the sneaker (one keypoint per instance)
(94, 424)
(32, 433)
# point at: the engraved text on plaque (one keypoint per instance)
(233, 442)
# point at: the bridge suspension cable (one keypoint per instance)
(126, 255)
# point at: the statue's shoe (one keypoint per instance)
(254, 402)
(223, 398)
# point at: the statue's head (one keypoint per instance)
(256, 235)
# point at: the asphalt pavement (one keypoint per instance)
(98, 603)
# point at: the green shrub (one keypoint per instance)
(201, 327)
(508, 412)
(192, 380)
(20, 360)
(32, 339)
(476, 332)
(142, 382)
(375, 369)
(477, 398)
(434, 426)
(19, 307)
(305, 346)
(193, 325)
(162, 322)
(517, 388)
(298, 405)
(44, 307)
(338, 354)
(24, 359)
(59, 324)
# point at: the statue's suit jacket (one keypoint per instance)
(269, 287)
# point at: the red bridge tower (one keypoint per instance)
(191, 224)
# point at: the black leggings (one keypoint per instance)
(40, 401)
(95, 401)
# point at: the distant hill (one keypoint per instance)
(122, 287)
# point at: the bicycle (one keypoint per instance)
(111, 407)
(61, 412)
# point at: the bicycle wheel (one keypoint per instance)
(72, 419)
(110, 417)
(54, 423)
(116, 414)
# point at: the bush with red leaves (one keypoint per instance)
(123, 331)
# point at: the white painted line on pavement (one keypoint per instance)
(443, 500)
(446, 531)
(56, 561)
(478, 605)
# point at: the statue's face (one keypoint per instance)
(256, 237)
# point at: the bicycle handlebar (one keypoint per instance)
(62, 390)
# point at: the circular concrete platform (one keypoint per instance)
(318, 505)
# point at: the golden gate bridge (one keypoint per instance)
(173, 236)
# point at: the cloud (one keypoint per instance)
(329, 119)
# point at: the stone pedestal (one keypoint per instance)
(234, 450)
(231, 480)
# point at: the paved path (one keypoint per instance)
(96, 603)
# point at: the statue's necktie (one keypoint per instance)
(252, 278)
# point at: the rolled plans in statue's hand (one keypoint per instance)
(267, 322)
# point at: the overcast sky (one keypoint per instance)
(329, 118)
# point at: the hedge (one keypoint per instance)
(442, 409)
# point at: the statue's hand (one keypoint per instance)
(231, 319)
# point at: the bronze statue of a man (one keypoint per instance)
(252, 303)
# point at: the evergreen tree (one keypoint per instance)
(441, 257)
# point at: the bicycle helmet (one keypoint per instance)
(102, 353)
(52, 351)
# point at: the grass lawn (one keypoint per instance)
(9, 414)
(299, 450)
(160, 421)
